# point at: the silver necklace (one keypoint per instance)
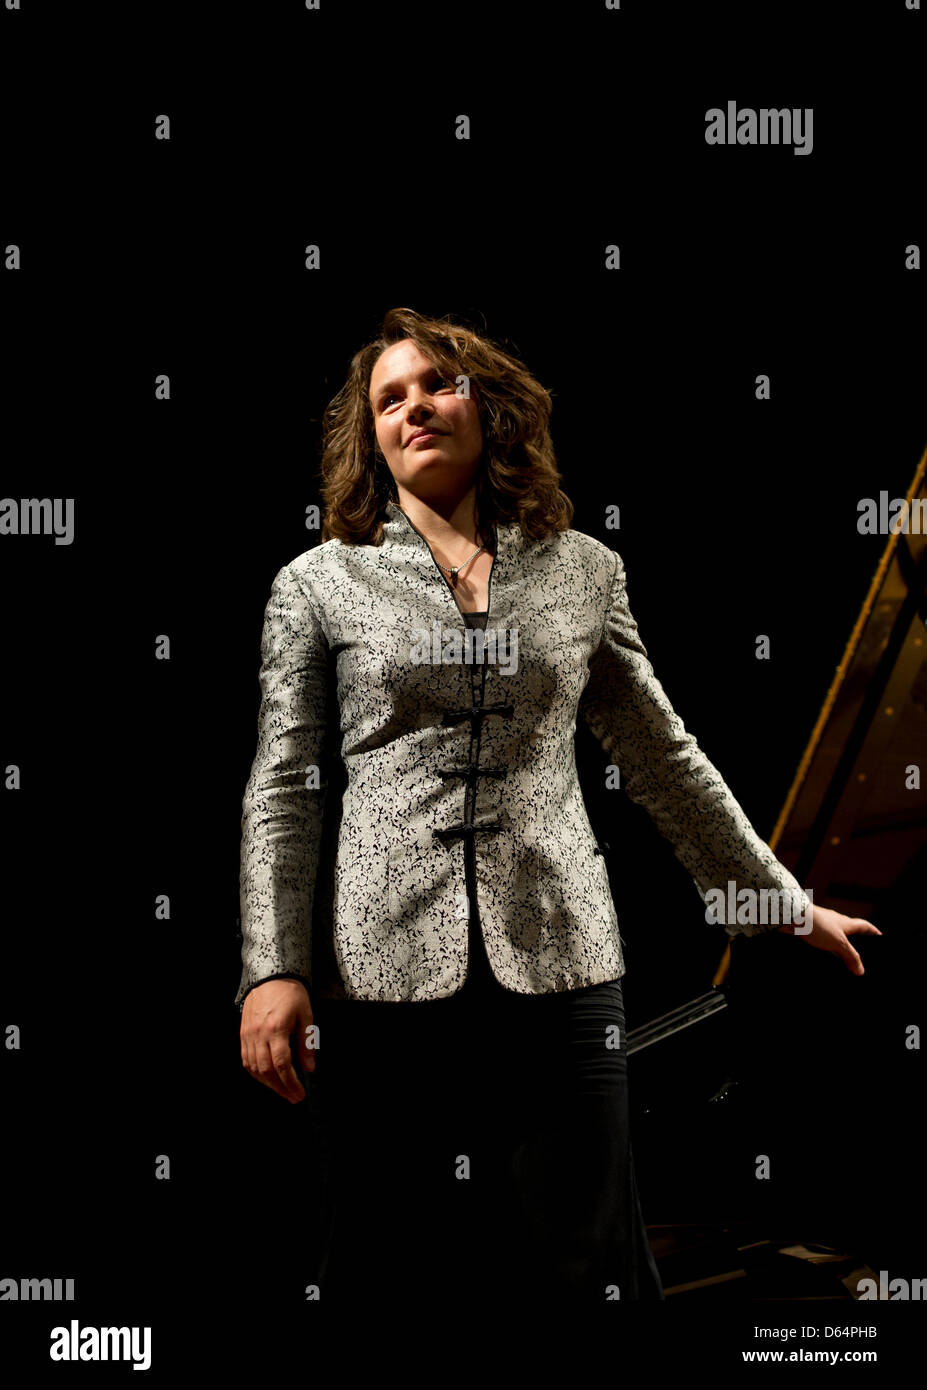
(454, 570)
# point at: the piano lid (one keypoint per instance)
(855, 816)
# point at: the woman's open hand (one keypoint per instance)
(830, 931)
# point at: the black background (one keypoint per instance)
(738, 516)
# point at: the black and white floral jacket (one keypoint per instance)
(395, 769)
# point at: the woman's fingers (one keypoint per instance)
(275, 1061)
(857, 925)
(273, 1012)
(860, 924)
(832, 931)
(853, 960)
(837, 929)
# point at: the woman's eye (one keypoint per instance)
(439, 380)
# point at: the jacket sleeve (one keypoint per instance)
(662, 768)
(281, 819)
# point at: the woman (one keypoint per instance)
(420, 882)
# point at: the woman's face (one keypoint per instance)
(408, 393)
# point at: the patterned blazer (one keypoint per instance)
(397, 773)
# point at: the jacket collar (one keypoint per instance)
(398, 529)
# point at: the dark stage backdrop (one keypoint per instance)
(650, 280)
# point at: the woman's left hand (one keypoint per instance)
(830, 931)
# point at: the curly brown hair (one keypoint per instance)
(518, 479)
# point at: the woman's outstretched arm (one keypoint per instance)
(662, 768)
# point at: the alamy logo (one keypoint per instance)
(38, 516)
(27, 1289)
(884, 517)
(447, 646)
(763, 127)
(760, 907)
(76, 1343)
(891, 1289)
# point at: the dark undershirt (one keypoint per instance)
(479, 971)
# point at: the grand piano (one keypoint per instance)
(774, 1113)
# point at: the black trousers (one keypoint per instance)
(475, 1150)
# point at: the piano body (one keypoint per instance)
(785, 1094)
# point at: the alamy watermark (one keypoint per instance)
(76, 1343)
(901, 1290)
(448, 646)
(886, 517)
(764, 127)
(38, 516)
(760, 907)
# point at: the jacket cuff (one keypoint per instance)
(280, 975)
(798, 912)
